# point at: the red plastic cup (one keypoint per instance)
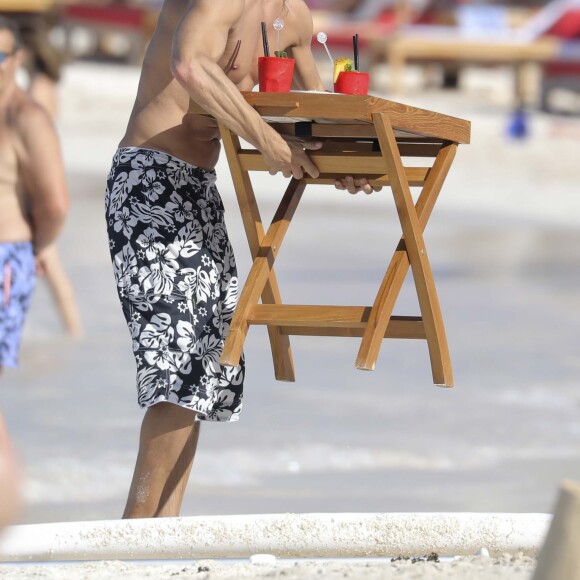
(275, 74)
(352, 83)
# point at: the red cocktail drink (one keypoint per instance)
(352, 83)
(275, 74)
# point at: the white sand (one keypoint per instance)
(480, 568)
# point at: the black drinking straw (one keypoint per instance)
(265, 40)
(355, 43)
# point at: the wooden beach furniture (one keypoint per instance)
(26, 5)
(363, 136)
(414, 46)
(484, 36)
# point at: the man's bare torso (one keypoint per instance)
(160, 119)
(14, 221)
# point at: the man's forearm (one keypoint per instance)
(208, 86)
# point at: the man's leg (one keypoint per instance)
(10, 492)
(167, 447)
(174, 490)
(62, 292)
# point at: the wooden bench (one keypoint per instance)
(530, 45)
(520, 55)
(26, 5)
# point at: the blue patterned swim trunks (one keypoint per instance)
(176, 279)
(17, 281)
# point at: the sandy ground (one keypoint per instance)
(514, 567)
(503, 242)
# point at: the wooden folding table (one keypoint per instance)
(363, 136)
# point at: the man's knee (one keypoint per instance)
(178, 416)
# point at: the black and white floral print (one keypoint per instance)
(176, 278)
(17, 282)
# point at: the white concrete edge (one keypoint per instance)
(333, 535)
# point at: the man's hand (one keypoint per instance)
(289, 156)
(355, 185)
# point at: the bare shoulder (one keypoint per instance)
(35, 133)
(30, 118)
(229, 9)
(298, 9)
(299, 17)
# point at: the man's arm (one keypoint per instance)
(199, 42)
(42, 174)
(306, 75)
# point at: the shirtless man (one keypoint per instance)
(173, 264)
(33, 194)
(33, 205)
(43, 63)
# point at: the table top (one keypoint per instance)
(335, 108)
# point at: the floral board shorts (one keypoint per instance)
(17, 282)
(176, 279)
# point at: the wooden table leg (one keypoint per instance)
(396, 272)
(279, 343)
(260, 272)
(417, 253)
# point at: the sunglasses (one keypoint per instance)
(6, 55)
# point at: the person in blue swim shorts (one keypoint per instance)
(33, 194)
(33, 206)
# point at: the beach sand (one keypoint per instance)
(510, 566)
